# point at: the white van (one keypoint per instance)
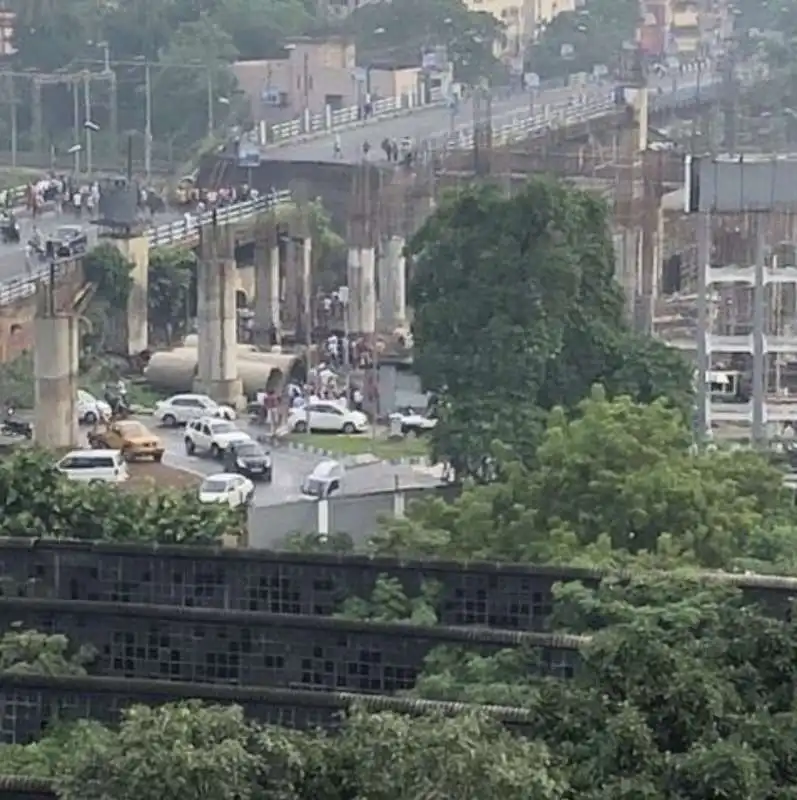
(325, 479)
(107, 466)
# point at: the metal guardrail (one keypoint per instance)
(182, 232)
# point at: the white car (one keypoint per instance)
(409, 422)
(328, 418)
(183, 408)
(212, 435)
(90, 409)
(94, 466)
(226, 487)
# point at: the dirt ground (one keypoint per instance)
(146, 474)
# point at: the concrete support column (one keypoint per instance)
(267, 288)
(354, 283)
(392, 284)
(305, 287)
(136, 250)
(367, 290)
(217, 346)
(55, 368)
(291, 318)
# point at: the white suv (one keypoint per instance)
(326, 417)
(211, 435)
(183, 408)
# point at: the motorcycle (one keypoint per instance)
(16, 427)
(10, 233)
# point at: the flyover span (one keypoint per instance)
(16, 281)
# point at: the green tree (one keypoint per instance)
(111, 274)
(548, 323)
(396, 32)
(50, 34)
(617, 485)
(258, 28)
(34, 653)
(165, 752)
(596, 33)
(39, 502)
(196, 83)
(171, 274)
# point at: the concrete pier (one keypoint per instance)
(136, 250)
(217, 373)
(354, 283)
(55, 368)
(292, 270)
(392, 284)
(267, 288)
(305, 287)
(367, 291)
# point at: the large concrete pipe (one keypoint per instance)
(174, 370)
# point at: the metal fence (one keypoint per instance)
(182, 232)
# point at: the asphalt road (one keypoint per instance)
(438, 121)
(291, 467)
(12, 256)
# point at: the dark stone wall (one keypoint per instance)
(256, 649)
(495, 595)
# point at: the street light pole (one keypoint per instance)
(87, 112)
(148, 120)
(76, 124)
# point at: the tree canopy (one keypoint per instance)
(39, 502)
(516, 311)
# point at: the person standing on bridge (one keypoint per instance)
(337, 149)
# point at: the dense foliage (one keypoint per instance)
(39, 502)
(516, 311)
(718, 721)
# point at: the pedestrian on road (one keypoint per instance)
(337, 147)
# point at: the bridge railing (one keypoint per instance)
(182, 232)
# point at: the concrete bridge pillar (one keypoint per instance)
(305, 288)
(292, 269)
(354, 283)
(136, 250)
(392, 284)
(367, 291)
(55, 369)
(217, 278)
(267, 287)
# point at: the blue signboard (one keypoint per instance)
(248, 154)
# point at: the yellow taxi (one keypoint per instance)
(130, 436)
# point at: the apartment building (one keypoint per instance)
(685, 27)
(315, 73)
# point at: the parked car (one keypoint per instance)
(212, 435)
(91, 410)
(131, 437)
(235, 490)
(250, 459)
(326, 418)
(104, 466)
(69, 240)
(409, 422)
(181, 409)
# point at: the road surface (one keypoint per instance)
(12, 257)
(291, 467)
(438, 121)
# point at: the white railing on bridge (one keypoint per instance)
(328, 120)
(184, 231)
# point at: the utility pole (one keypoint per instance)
(148, 120)
(211, 111)
(87, 113)
(76, 123)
